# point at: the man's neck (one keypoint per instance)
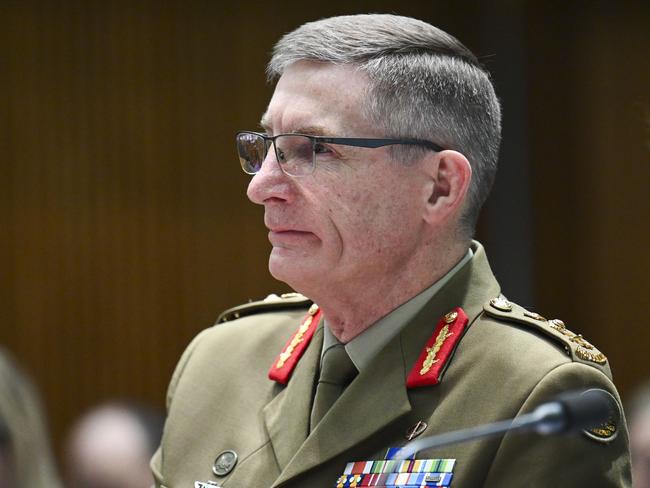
(350, 310)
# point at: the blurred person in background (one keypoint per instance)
(639, 423)
(25, 456)
(110, 447)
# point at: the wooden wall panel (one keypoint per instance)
(122, 197)
(590, 119)
(125, 226)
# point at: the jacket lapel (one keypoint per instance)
(287, 415)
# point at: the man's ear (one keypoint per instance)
(450, 174)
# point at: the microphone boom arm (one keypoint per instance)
(571, 411)
(542, 422)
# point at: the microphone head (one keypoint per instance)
(595, 411)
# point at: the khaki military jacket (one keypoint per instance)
(507, 362)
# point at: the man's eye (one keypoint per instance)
(321, 148)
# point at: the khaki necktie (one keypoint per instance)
(337, 371)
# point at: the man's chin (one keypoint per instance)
(293, 271)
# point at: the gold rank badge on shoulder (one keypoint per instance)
(438, 350)
(583, 348)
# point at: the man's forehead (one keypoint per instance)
(314, 124)
(317, 99)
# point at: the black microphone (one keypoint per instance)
(569, 412)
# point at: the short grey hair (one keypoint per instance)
(423, 83)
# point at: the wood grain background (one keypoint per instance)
(124, 222)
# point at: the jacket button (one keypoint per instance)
(224, 463)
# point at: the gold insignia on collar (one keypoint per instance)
(297, 339)
(438, 350)
(432, 351)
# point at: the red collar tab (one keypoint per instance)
(433, 359)
(286, 361)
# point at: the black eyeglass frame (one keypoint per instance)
(343, 141)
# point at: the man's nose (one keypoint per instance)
(269, 182)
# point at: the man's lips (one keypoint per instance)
(286, 236)
(282, 229)
(288, 231)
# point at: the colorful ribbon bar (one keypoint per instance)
(395, 480)
(389, 473)
(396, 466)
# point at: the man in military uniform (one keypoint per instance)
(379, 147)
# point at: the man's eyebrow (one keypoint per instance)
(312, 130)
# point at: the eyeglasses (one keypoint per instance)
(296, 153)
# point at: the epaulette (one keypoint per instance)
(270, 303)
(574, 345)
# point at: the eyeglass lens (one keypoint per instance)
(252, 151)
(295, 153)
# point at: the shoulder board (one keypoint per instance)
(575, 346)
(272, 302)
